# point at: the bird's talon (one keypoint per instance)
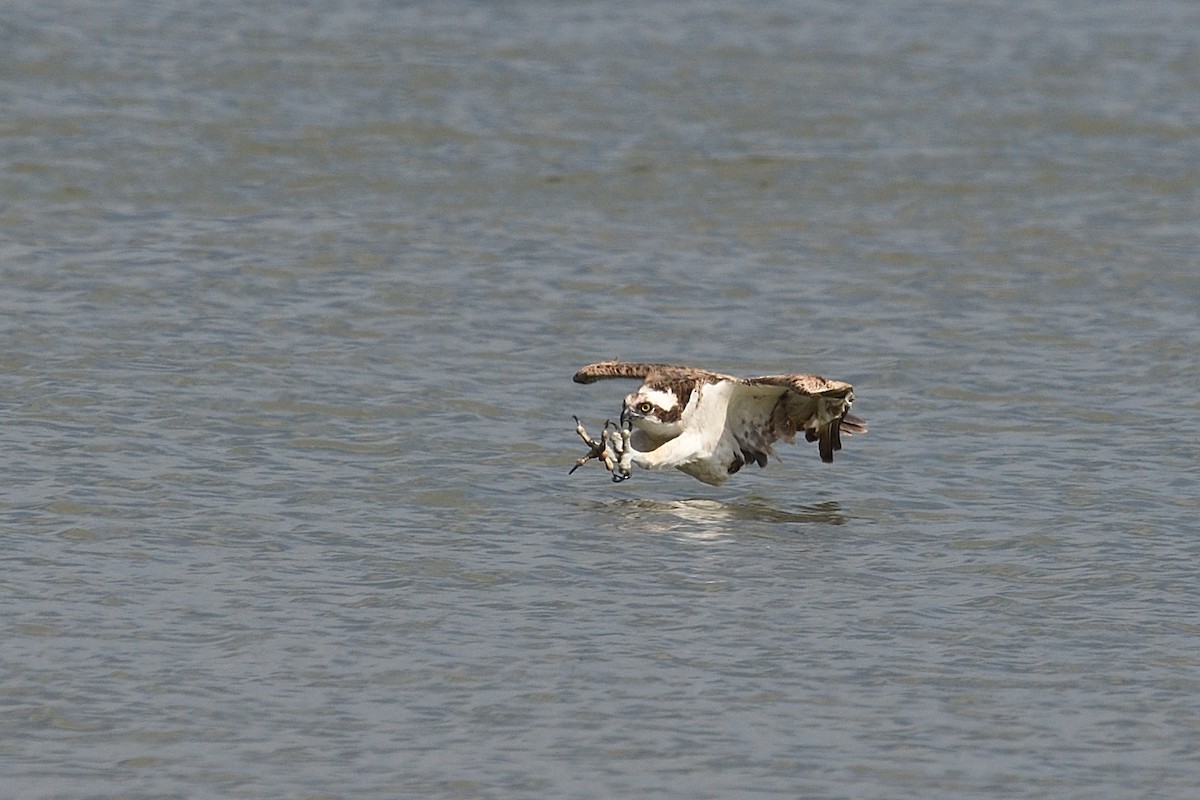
(608, 449)
(611, 449)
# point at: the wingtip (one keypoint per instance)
(615, 368)
(590, 372)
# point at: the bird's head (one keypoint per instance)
(654, 411)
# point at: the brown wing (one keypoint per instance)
(815, 405)
(616, 368)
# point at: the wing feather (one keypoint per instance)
(818, 406)
(615, 368)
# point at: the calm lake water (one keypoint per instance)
(292, 294)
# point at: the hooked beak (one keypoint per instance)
(626, 418)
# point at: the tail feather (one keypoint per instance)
(829, 442)
(851, 424)
(830, 436)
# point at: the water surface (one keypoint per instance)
(292, 295)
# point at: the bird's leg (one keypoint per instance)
(612, 452)
(622, 452)
(596, 449)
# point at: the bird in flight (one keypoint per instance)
(710, 425)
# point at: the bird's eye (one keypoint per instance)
(645, 408)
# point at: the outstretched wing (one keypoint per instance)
(765, 409)
(615, 368)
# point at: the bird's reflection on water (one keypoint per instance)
(704, 517)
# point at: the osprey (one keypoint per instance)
(711, 425)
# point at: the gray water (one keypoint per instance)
(292, 295)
